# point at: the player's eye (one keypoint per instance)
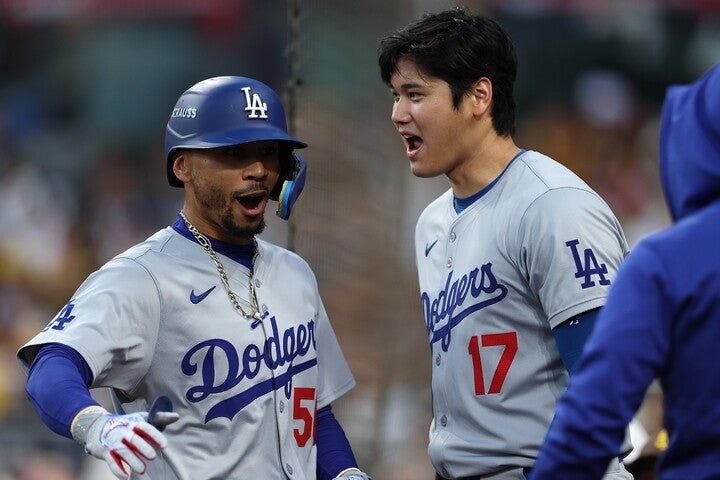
(270, 150)
(232, 151)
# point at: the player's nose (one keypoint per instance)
(400, 113)
(256, 169)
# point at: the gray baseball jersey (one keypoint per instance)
(156, 320)
(536, 249)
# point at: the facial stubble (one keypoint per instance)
(212, 198)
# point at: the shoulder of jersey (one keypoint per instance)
(550, 173)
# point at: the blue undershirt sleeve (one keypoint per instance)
(571, 335)
(334, 453)
(57, 386)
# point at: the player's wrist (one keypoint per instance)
(83, 422)
(352, 473)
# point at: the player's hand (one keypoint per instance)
(125, 442)
(352, 474)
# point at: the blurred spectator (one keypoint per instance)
(36, 219)
(120, 209)
(44, 466)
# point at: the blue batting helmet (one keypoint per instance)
(225, 111)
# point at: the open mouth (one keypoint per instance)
(252, 204)
(413, 144)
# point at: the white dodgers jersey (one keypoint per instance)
(536, 249)
(156, 320)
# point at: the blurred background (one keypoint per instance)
(87, 87)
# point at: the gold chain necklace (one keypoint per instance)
(256, 316)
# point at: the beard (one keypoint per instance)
(235, 230)
(213, 199)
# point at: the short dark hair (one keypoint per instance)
(459, 48)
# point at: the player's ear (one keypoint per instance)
(481, 96)
(181, 166)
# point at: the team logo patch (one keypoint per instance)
(254, 105)
(199, 298)
(64, 317)
(587, 266)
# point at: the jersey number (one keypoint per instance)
(305, 410)
(507, 340)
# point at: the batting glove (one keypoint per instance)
(122, 440)
(352, 474)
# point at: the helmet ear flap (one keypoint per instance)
(287, 169)
(291, 186)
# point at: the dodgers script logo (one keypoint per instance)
(479, 286)
(279, 350)
(254, 105)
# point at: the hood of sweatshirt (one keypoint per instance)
(690, 144)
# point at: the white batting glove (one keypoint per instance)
(123, 441)
(352, 474)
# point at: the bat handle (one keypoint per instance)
(161, 404)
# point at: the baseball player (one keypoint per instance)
(514, 260)
(662, 317)
(226, 330)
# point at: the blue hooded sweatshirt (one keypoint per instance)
(661, 319)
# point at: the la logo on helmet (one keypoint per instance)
(254, 105)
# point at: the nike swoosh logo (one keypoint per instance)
(199, 298)
(429, 247)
